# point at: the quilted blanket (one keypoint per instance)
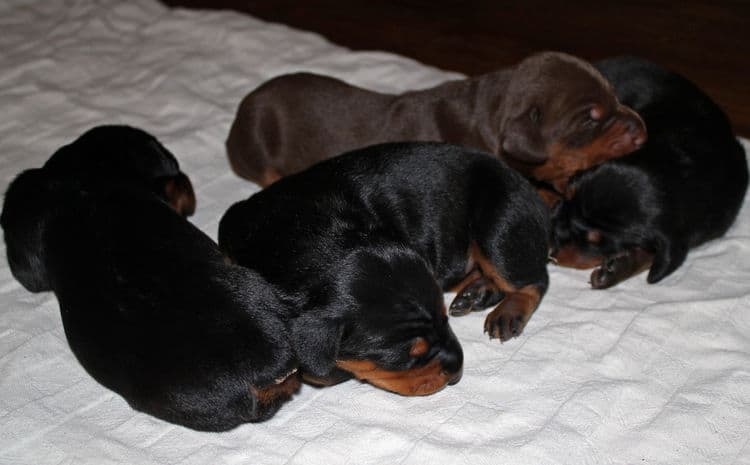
(637, 374)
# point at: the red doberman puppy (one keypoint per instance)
(548, 117)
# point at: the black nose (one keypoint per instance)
(455, 377)
(451, 358)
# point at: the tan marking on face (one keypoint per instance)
(418, 381)
(616, 141)
(268, 177)
(419, 347)
(594, 236)
(180, 194)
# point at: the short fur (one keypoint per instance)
(549, 116)
(647, 209)
(148, 304)
(368, 241)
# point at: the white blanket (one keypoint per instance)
(637, 374)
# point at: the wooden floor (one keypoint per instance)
(707, 41)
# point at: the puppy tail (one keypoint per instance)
(27, 208)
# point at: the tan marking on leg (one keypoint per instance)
(470, 278)
(569, 256)
(515, 310)
(282, 390)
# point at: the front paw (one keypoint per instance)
(604, 275)
(505, 323)
(620, 267)
(509, 318)
(477, 295)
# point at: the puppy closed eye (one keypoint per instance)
(595, 113)
(535, 115)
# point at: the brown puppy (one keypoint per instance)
(548, 117)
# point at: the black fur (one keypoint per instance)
(368, 240)
(683, 188)
(148, 304)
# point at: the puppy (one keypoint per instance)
(149, 306)
(549, 116)
(368, 241)
(647, 209)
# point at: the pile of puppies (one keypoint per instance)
(337, 269)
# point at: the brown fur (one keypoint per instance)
(548, 116)
(419, 381)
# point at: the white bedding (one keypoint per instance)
(637, 374)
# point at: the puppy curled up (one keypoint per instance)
(549, 116)
(368, 241)
(149, 306)
(646, 210)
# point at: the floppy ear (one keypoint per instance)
(316, 341)
(668, 257)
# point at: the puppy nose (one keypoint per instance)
(637, 130)
(452, 359)
(455, 377)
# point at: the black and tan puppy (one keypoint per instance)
(647, 209)
(550, 116)
(369, 240)
(148, 304)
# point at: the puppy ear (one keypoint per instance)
(178, 192)
(316, 341)
(668, 257)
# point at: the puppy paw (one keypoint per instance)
(509, 318)
(477, 295)
(604, 275)
(505, 322)
(620, 267)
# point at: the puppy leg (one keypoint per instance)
(475, 293)
(510, 316)
(620, 267)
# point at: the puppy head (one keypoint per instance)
(560, 115)
(611, 209)
(387, 326)
(107, 155)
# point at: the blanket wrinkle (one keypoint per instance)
(634, 374)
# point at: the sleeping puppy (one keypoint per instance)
(149, 306)
(368, 241)
(645, 211)
(548, 117)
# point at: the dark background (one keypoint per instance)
(709, 42)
